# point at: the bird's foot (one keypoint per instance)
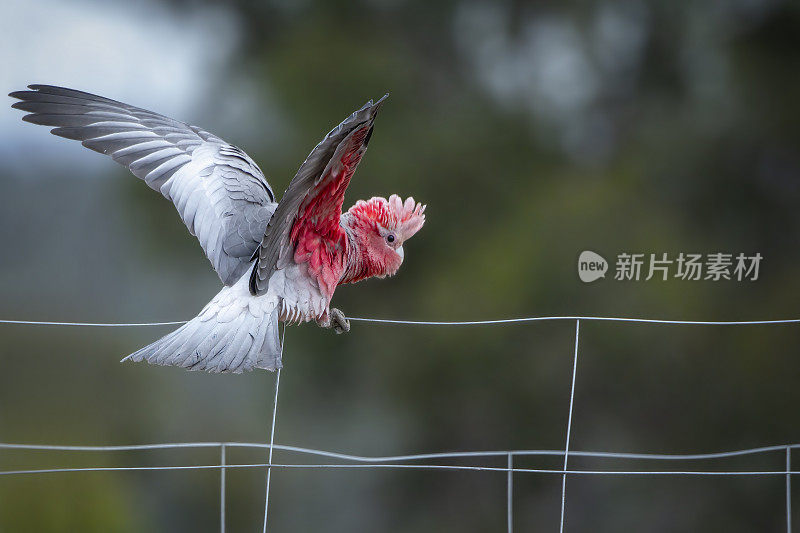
(338, 322)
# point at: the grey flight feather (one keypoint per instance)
(220, 193)
(225, 337)
(309, 175)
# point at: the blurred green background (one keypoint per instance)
(533, 132)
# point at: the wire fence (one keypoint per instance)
(418, 461)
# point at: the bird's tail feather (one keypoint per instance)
(235, 332)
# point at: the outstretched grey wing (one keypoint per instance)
(219, 192)
(323, 167)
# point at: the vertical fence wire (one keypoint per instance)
(788, 489)
(510, 493)
(222, 488)
(272, 431)
(271, 443)
(569, 426)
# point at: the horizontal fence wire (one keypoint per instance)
(399, 458)
(408, 462)
(401, 461)
(418, 467)
(448, 323)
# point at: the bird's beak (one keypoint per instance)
(400, 252)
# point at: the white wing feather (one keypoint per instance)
(220, 193)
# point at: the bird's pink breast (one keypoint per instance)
(324, 258)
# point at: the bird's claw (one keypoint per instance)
(339, 323)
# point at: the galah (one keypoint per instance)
(278, 261)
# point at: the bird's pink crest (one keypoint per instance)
(404, 218)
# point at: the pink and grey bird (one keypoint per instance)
(278, 261)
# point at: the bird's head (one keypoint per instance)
(380, 227)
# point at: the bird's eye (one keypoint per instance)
(390, 238)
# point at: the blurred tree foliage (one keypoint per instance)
(533, 132)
